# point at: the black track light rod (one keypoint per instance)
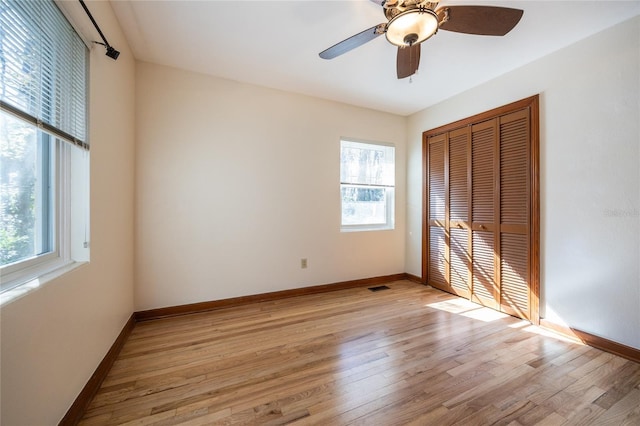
(111, 52)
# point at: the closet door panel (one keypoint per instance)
(437, 202)
(483, 138)
(459, 203)
(459, 167)
(437, 262)
(460, 260)
(514, 170)
(483, 245)
(484, 288)
(437, 242)
(514, 273)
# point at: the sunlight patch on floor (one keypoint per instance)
(475, 311)
(547, 333)
(468, 309)
(454, 306)
(484, 314)
(520, 324)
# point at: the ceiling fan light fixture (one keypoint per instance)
(412, 26)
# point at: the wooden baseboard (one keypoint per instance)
(193, 308)
(414, 278)
(606, 345)
(77, 409)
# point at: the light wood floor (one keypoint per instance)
(407, 355)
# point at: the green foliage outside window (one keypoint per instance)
(18, 154)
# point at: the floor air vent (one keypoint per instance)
(380, 287)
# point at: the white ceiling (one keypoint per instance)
(276, 44)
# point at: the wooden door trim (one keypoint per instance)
(425, 202)
(534, 205)
(486, 115)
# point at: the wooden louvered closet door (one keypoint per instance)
(514, 214)
(482, 225)
(483, 140)
(458, 220)
(438, 256)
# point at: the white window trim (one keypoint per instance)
(389, 224)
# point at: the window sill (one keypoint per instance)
(366, 228)
(33, 284)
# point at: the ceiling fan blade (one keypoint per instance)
(352, 42)
(480, 20)
(408, 60)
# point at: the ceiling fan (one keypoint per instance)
(410, 22)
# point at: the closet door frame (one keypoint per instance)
(532, 105)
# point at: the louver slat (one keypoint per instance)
(436, 179)
(437, 262)
(514, 169)
(458, 185)
(482, 147)
(513, 274)
(459, 261)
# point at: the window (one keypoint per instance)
(28, 200)
(43, 104)
(367, 183)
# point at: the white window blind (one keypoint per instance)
(43, 69)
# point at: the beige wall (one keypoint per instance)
(236, 183)
(54, 338)
(590, 177)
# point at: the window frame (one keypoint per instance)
(389, 190)
(59, 254)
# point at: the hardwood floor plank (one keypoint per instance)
(620, 385)
(209, 418)
(568, 404)
(553, 419)
(624, 412)
(489, 385)
(536, 415)
(407, 355)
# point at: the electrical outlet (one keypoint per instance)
(303, 263)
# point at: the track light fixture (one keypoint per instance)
(111, 52)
